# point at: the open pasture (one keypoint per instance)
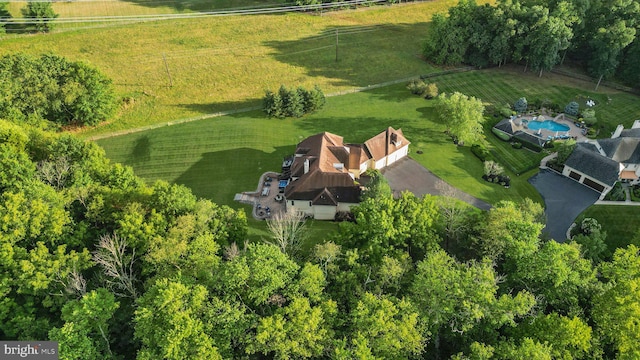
(176, 69)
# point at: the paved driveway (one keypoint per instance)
(407, 174)
(564, 200)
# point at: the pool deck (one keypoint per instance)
(574, 131)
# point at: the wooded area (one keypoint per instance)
(113, 268)
(599, 35)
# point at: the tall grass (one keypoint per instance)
(177, 69)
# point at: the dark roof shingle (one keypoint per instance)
(592, 163)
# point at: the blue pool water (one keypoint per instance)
(547, 125)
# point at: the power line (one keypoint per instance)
(195, 15)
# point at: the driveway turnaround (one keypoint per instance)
(564, 200)
(408, 174)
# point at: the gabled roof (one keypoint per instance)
(385, 143)
(325, 197)
(357, 155)
(609, 146)
(624, 150)
(321, 165)
(592, 163)
(634, 132)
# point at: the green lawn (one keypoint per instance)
(226, 63)
(518, 161)
(222, 156)
(219, 157)
(505, 86)
(619, 221)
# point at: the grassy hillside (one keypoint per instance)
(224, 63)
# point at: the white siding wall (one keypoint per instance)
(300, 205)
(381, 163)
(324, 212)
(364, 166)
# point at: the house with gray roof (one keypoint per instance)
(599, 164)
(324, 171)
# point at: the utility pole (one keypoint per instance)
(166, 66)
(336, 45)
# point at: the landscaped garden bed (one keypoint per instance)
(634, 191)
(616, 194)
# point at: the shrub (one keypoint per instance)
(500, 134)
(431, 91)
(616, 194)
(516, 145)
(589, 117)
(572, 108)
(504, 180)
(481, 152)
(520, 105)
(505, 111)
(417, 87)
(492, 168)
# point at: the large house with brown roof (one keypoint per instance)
(599, 164)
(324, 170)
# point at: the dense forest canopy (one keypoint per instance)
(600, 35)
(113, 268)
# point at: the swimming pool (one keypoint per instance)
(547, 125)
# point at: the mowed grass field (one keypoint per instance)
(226, 63)
(619, 221)
(219, 157)
(622, 108)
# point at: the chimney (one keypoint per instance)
(306, 166)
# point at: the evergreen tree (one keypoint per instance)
(272, 104)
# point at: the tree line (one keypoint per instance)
(293, 102)
(113, 268)
(599, 35)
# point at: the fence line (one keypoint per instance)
(606, 83)
(253, 108)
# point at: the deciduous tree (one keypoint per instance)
(41, 14)
(462, 115)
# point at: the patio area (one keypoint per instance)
(266, 200)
